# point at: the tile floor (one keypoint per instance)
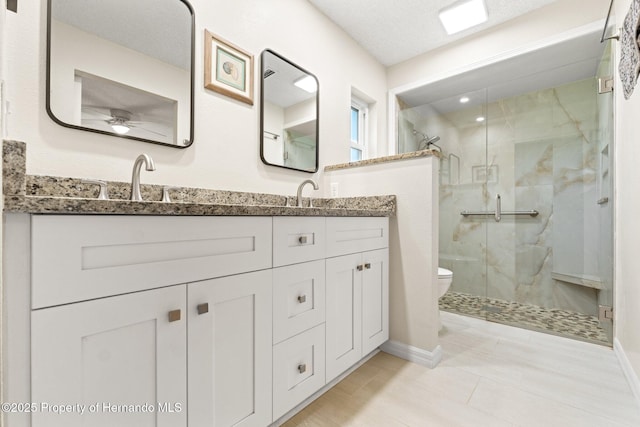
(559, 322)
(491, 375)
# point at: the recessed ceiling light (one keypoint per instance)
(462, 15)
(464, 99)
(307, 83)
(479, 119)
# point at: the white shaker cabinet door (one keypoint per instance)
(118, 361)
(230, 351)
(344, 314)
(375, 299)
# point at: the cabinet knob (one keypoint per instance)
(302, 240)
(302, 368)
(367, 265)
(360, 267)
(174, 315)
(203, 308)
(302, 298)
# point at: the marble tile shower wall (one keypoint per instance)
(541, 154)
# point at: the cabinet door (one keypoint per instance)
(344, 313)
(120, 360)
(230, 351)
(375, 299)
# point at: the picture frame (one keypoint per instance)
(484, 174)
(228, 68)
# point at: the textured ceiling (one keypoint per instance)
(158, 28)
(394, 31)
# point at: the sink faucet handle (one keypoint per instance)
(104, 192)
(166, 197)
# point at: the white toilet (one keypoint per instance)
(444, 282)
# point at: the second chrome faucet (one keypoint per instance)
(300, 187)
(135, 178)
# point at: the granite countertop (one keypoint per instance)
(385, 159)
(61, 195)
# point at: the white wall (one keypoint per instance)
(225, 154)
(627, 212)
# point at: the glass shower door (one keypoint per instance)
(546, 163)
(604, 184)
(461, 123)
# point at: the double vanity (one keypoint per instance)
(217, 309)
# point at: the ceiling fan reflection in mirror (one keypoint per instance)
(119, 120)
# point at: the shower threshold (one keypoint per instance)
(552, 321)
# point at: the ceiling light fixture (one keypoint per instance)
(119, 126)
(480, 119)
(462, 15)
(464, 100)
(307, 83)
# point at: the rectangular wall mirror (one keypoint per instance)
(122, 68)
(289, 114)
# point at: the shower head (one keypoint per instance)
(432, 140)
(426, 141)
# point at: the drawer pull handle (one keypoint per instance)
(367, 265)
(203, 308)
(302, 240)
(302, 368)
(302, 298)
(174, 315)
(360, 267)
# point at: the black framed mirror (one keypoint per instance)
(289, 108)
(123, 68)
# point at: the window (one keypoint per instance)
(359, 110)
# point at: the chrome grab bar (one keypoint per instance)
(497, 214)
(532, 213)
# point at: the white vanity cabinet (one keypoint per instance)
(165, 321)
(118, 304)
(357, 290)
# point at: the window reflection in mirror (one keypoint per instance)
(122, 68)
(289, 114)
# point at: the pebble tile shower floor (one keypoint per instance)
(558, 322)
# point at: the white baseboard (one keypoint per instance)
(627, 368)
(413, 354)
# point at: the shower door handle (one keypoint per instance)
(498, 214)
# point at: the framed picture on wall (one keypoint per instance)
(228, 69)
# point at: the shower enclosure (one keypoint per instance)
(525, 192)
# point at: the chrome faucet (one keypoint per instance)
(305, 182)
(135, 178)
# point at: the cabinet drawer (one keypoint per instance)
(298, 369)
(76, 258)
(298, 298)
(298, 239)
(351, 235)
